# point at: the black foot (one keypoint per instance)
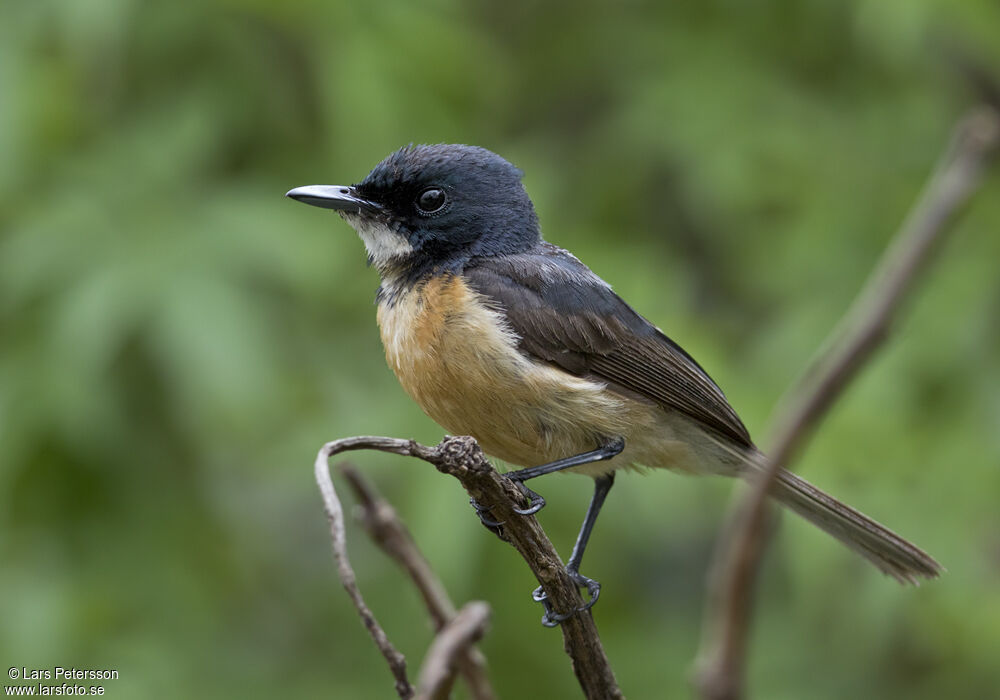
(535, 501)
(483, 511)
(551, 618)
(593, 588)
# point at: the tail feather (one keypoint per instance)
(892, 554)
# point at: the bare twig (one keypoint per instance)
(452, 643)
(388, 531)
(864, 328)
(335, 515)
(462, 458)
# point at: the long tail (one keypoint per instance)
(896, 557)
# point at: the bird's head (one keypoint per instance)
(428, 208)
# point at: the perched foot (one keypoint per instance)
(551, 618)
(593, 588)
(484, 513)
(535, 504)
(535, 501)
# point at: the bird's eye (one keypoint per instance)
(431, 200)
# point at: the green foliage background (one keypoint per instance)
(177, 340)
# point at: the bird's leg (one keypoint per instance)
(536, 503)
(605, 451)
(602, 485)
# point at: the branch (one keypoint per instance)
(390, 534)
(462, 458)
(453, 643)
(863, 330)
(335, 515)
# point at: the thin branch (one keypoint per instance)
(864, 328)
(453, 643)
(335, 515)
(867, 324)
(462, 458)
(390, 534)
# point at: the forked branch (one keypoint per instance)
(462, 458)
(390, 534)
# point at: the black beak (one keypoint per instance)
(338, 197)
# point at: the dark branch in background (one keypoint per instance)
(462, 458)
(335, 515)
(390, 534)
(450, 646)
(864, 328)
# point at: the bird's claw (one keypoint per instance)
(482, 511)
(535, 500)
(535, 504)
(553, 619)
(593, 588)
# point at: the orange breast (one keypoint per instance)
(458, 359)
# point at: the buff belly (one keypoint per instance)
(459, 361)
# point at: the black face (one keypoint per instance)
(451, 199)
(447, 203)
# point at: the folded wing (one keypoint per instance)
(566, 315)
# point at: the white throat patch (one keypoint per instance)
(385, 246)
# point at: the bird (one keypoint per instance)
(498, 334)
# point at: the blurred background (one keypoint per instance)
(177, 339)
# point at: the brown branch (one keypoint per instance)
(335, 515)
(453, 643)
(864, 328)
(390, 534)
(462, 458)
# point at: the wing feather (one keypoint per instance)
(566, 315)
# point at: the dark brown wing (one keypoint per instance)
(567, 315)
